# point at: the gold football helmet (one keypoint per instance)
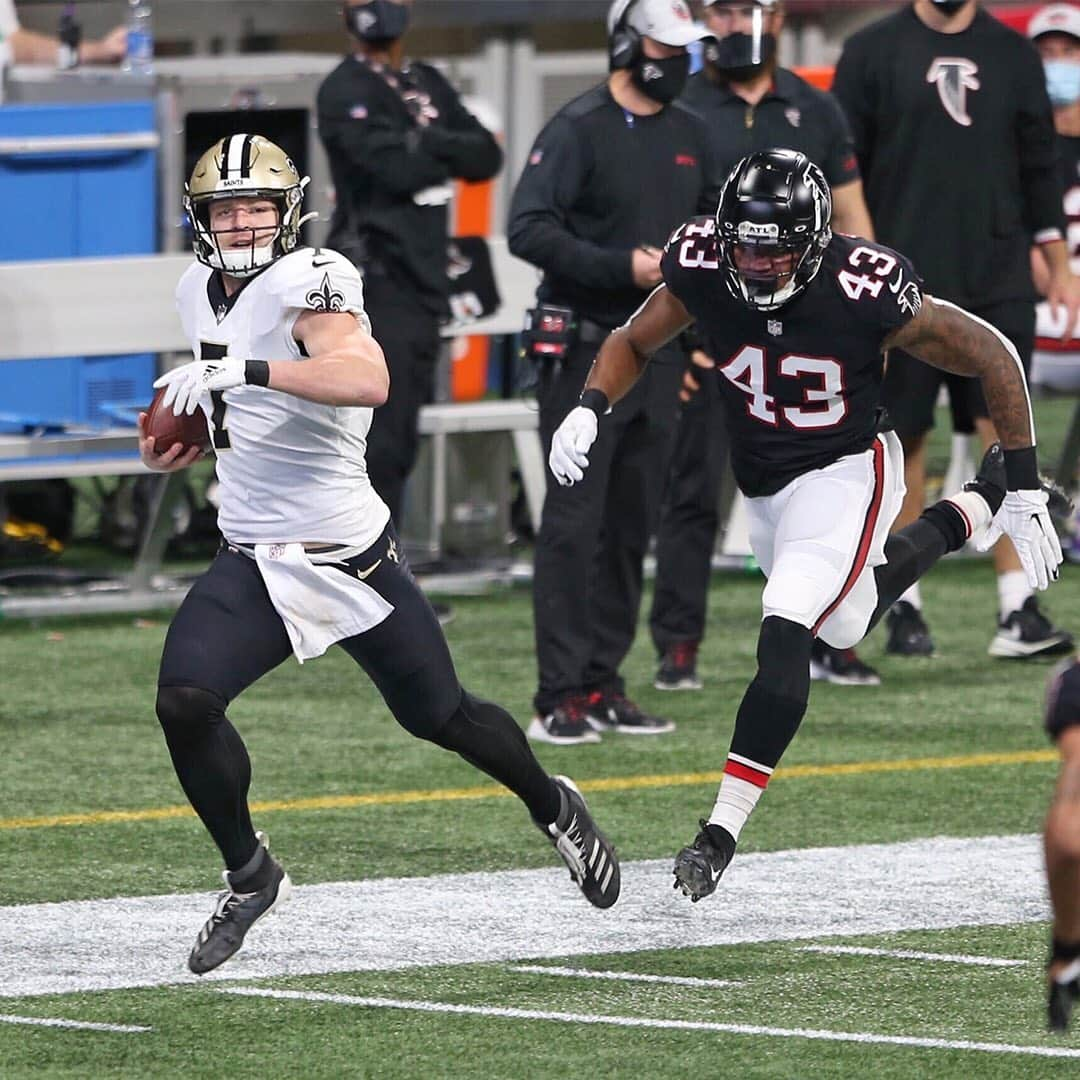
(246, 166)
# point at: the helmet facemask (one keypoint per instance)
(771, 234)
(250, 167)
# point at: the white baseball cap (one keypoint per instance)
(666, 21)
(1055, 19)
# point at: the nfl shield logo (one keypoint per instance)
(775, 327)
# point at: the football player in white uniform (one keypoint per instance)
(287, 373)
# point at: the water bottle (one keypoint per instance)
(139, 59)
(69, 35)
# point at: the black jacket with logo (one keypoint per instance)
(793, 114)
(599, 182)
(391, 173)
(955, 138)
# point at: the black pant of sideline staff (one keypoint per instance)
(593, 535)
(409, 336)
(689, 520)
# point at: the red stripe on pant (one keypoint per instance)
(745, 772)
(862, 552)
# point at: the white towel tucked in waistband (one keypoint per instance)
(317, 603)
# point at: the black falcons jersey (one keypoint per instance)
(802, 384)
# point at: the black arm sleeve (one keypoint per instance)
(1040, 168)
(554, 176)
(459, 140)
(392, 155)
(855, 90)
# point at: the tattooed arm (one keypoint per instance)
(947, 337)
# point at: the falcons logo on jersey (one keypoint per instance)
(325, 297)
(954, 76)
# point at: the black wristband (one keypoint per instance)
(596, 400)
(256, 373)
(1022, 469)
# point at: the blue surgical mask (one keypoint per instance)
(1062, 81)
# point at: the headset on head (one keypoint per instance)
(624, 43)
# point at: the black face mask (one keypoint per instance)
(661, 80)
(733, 57)
(948, 7)
(378, 22)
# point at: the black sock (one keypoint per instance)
(910, 552)
(489, 739)
(255, 874)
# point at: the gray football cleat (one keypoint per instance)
(235, 914)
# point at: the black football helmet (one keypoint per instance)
(775, 203)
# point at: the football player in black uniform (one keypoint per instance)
(797, 320)
(1062, 847)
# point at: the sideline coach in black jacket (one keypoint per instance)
(607, 180)
(396, 134)
(956, 144)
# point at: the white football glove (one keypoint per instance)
(189, 382)
(1024, 519)
(570, 445)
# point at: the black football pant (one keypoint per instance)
(689, 519)
(409, 336)
(593, 536)
(227, 634)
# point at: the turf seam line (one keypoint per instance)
(85, 1025)
(650, 1022)
(914, 954)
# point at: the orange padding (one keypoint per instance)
(821, 77)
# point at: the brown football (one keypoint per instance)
(166, 428)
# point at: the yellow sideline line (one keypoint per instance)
(491, 791)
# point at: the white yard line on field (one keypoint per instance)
(651, 1022)
(912, 954)
(623, 976)
(528, 915)
(55, 1022)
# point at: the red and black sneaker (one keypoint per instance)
(678, 667)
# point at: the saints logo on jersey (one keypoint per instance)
(325, 297)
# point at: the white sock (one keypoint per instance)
(738, 795)
(913, 596)
(973, 509)
(1013, 590)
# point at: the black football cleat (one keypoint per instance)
(235, 914)
(588, 854)
(1028, 632)
(616, 712)
(700, 865)
(1059, 1007)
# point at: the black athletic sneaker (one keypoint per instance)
(1063, 996)
(616, 712)
(588, 854)
(678, 667)
(908, 633)
(565, 725)
(234, 916)
(1028, 632)
(840, 666)
(700, 865)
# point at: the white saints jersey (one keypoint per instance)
(288, 469)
